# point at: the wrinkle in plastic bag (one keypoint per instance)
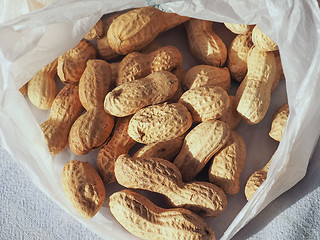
(31, 41)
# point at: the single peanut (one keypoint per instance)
(206, 76)
(92, 128)
(65, 109)
(83, 187)
(227, 164)
(135, 29)
(237, 55)
(200, 144)
(159, 123)
(96, 32)
(136, 65)
(205, 44)
(206, 103)
(231, 117)
(23, 89)
(279, 122)
(128, 98)
(142, 218)
(120, 143)
(262, 41)
(180, 73)
(72, 64)
(254, 92)
(161, 176)
(239, 28)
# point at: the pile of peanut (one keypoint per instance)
(122, 88)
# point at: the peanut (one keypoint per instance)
(262, 41)
(179, 72)
(128, 98)
(279, 72)
(239, 28)
(65, 109)
(254, 92)
(161, 176)
(227, 164)
(92, 128)
(83, 187)
(206, 103)
(231, 117)
(279, 122)
(42, 88)
(137, 65)
(205, 44)
(159, 123)
(167, 150)
(120, 143)
(142, 218)
(200, 144)
(206, 76)
(72, 64)
(237, 55)
(135, 29)
(23, 89)
(96, 32)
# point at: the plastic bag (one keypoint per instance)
(30, 41)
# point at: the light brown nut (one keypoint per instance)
(180, 72)
(200, 144)
(120, 143)
(96, 31)
(239, 28)
(167, 150)
(136, 65)
(237, 56)
(206, 103)
(142, 218)
(254, 92)
(128, 98)
(255, 180)
(262, 41)
(103, 47)
(205, 44)
(227, 164)
(72, 64)
(279, 122)
(231, 117)
(161, 176)
(23, 89)
(42, 88)
(137, 28)
(207, 76)
(159, 123)
(83, 187)
(65, 109)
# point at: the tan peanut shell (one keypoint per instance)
(200, 144)
(206, 76)
(167, 150)
(128, 98)
(206, 103)
(239, 28)
(254, 92)
(120, 143)
(103, 47)
(96, 31)
(179, 72)
(23, 89)
(72, 64)
(255, 180)
(42, 88)
(161, 176)
(142, 218)
(237, 55)
(136, 65)
(205, 44)
(279, 122)
(262, 41)
(65, 109)
(231, 117)
(227, 164)
(92, 128)
(137, 28)
(83, 187)
(159, 123)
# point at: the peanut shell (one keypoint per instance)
(279, 122)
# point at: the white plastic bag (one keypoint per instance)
(30, 41)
